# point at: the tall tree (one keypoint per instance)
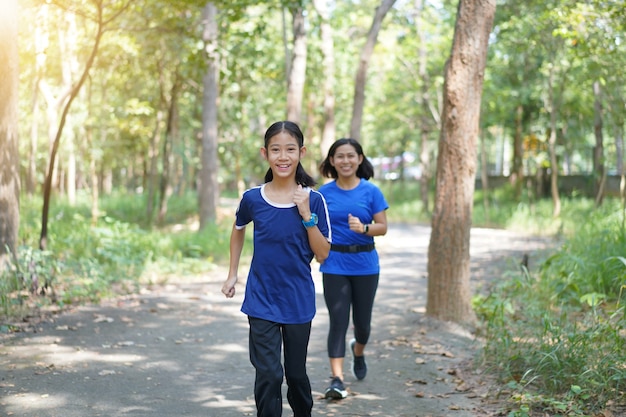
(327, 47)
(361, 73)
(598, 150)
(9, 157)
(449, 296)
(209, 186)
(100, 21)
(425, 120)
(297, 70)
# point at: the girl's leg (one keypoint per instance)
(296, 342)
(265, 347)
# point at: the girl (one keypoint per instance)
(350, 274)
(291, 226)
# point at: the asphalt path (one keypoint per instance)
(180, 349)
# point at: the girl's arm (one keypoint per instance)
(319, 244)
(317, 241)
(237, 237)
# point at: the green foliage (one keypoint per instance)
(592, 260)
(86, 262)
(558, 339)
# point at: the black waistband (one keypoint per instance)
(352, 248)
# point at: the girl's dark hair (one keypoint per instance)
(294, 131)
(365, 170)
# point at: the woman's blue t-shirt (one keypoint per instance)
(363, 202)
(280, 287)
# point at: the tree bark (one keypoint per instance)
(361, 73)
(297, 70)
(9, 151)
(449, 295)
(209, 186)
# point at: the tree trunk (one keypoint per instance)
(153, 155)
(57, 139)
(449, 295)
(484, 176)
(619, 147)
(517, 173)
(93, 179)
(598, 150)
(425, 122)
(328, 62)
(9, 157)
(31, 176)
(297, 69)
(171, 136)
(209, 187)
(554, 166)
(361, 73)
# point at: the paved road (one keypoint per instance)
(181, 349)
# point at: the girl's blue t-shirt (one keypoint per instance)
(363, 202)
(280, 287)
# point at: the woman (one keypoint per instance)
(351, 271)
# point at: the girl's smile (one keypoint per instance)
(283, 153)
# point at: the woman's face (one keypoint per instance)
(346, 161)
(283, 153)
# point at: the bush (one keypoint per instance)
(557, 339)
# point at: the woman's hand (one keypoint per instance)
(356, 225)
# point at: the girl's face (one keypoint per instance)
(283, 153)
(346, 161)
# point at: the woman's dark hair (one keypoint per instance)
(365, 170)
(294, 131)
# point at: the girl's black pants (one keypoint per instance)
(266, 340)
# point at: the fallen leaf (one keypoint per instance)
(106, 372)
(103, 319)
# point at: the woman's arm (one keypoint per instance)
(379, 227)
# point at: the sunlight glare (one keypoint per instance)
(9, 12)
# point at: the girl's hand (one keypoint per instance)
(301, 200)
(228, 289)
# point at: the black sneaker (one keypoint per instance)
(359, 367)
(336, 390)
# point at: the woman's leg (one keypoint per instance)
(337, 294)
(363, 294)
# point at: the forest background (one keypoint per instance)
(118, 142)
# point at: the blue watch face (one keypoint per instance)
(311, 222)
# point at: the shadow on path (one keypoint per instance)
(181, 349)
